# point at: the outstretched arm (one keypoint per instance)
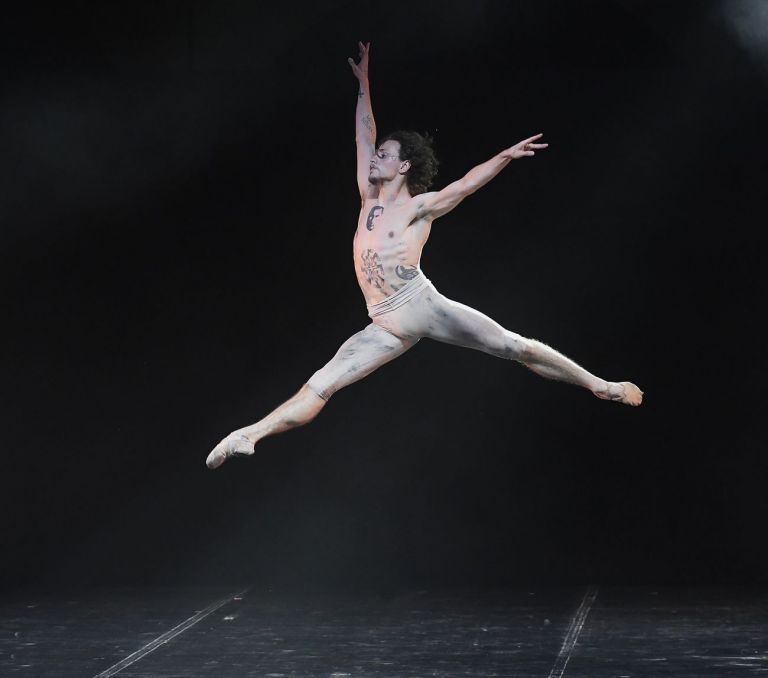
(433, 205)
(365, 126)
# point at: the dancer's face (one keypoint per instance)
(386, 162)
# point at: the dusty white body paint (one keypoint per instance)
(396, 327)
(405, 307)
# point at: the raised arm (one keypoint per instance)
(365, 126)
(433, 205)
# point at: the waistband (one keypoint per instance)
(404, 294)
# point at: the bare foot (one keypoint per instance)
(622, 391)
(234, 445)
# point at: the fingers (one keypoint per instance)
(528, 150)
(533, 138)
(362, 66)
(527, 147)
(355, 70)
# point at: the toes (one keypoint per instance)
(212, 460)
(216, 458)
(622, 392)
(634, 396)
(240, 447)
(229, 447)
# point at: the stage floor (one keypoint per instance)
(582, 632)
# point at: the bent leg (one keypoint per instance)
(455, 323)
(357, 357)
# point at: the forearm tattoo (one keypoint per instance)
(372, 268)
(376, 210)
(406, 272)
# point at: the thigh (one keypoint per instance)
(357, 357)
(455, 323)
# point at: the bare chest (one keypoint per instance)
(386, 249)
(379, 226)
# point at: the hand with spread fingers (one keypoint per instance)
(360, 69)
(524, 148)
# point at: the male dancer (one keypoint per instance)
(393, 226)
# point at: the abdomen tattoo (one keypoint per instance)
(372, 268)
(406, 272)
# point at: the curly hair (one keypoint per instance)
(417, 149)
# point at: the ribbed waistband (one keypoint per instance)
(404, 294)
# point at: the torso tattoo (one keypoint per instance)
(386, 249)
(376, 210)
(406, 272)
(372, 268)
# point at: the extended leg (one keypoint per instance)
(547, 362)
(357, 357)
(300, 409)
(459, 324)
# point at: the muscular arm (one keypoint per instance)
(365, 125)
(433, 205)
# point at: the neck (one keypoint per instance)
(391, 192)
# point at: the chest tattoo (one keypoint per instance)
(376, 210)
(372, 268)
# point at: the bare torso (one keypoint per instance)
(387, 246)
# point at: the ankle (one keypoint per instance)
(250, 434)
(601, 386)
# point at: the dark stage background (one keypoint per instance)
(178, 205)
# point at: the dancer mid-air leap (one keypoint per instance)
(393, 226)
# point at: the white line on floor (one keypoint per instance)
(167, 636)
(577, 623)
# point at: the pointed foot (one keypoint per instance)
(622, 392)
(234, 445)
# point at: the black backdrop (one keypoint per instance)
(178, 204)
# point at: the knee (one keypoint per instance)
(312, 401)
(320, 386)
(532, 350)
(519, 348)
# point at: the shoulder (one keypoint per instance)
(420, 203)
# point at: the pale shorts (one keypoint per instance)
(415, 311)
